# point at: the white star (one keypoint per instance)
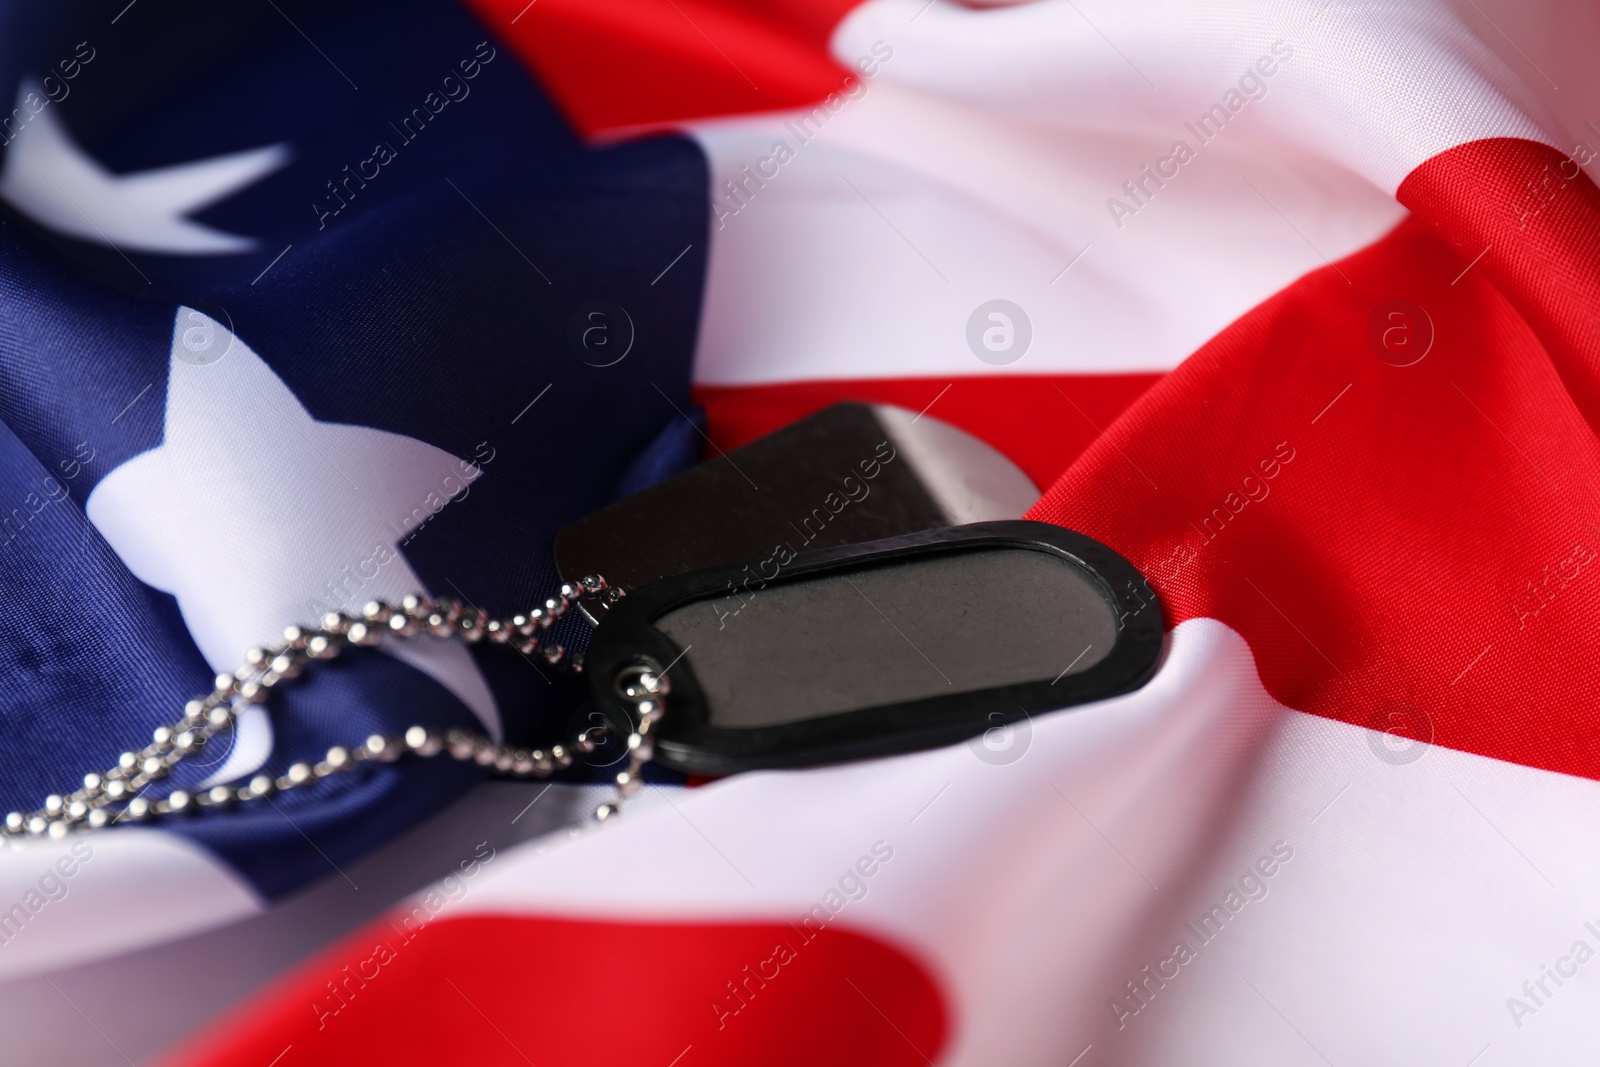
(250, 508)
(55, 183)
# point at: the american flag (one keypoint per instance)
(1294, 304)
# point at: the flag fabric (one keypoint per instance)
(1297, 309)
(246, 347)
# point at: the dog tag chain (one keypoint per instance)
(883, 620)
(115, 795)
(844, 653)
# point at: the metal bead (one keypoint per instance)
(470, 626)
(265, 667)
(608, 810)
(641, 748)
(640, 683)
(423, 742)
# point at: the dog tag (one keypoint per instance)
(848, 474)
(863, 650)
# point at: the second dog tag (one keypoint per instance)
(848, 474)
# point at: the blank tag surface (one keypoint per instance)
(898, 644)
(919, 628)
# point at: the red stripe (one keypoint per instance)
(1397, 543)
(621, 64)
(1041, 423)
(497, 990)
(1535, 219)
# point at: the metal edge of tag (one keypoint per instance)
(969, 479)
(685, 740)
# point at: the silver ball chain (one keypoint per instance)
(115, 795)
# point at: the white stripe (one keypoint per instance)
(1405, 918)
(1377, 88)
(93, 895)
(810, 280)
(978, 161)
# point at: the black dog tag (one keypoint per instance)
(862, 650)
(849, 473)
